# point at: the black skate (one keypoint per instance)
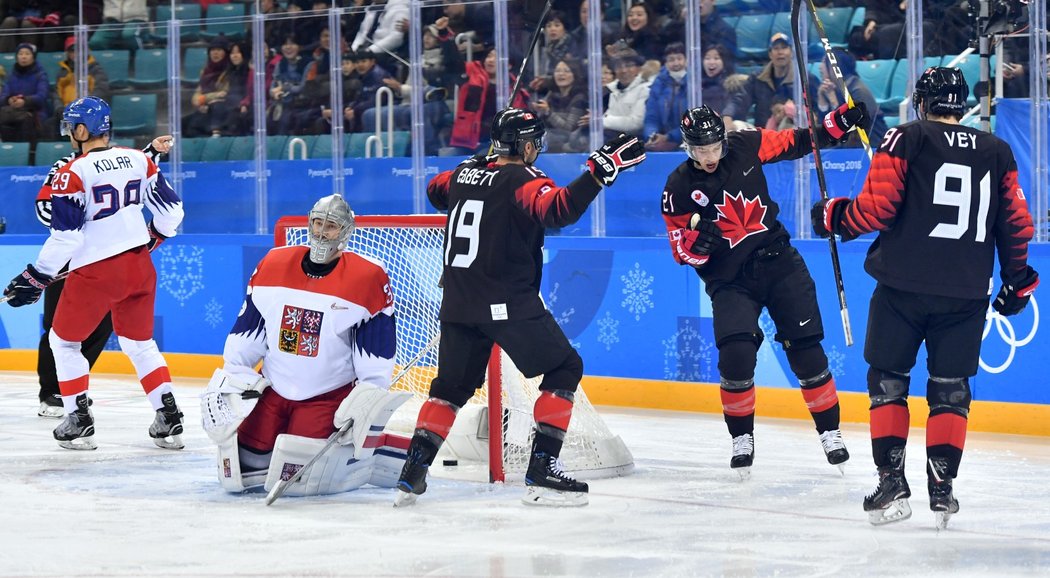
(889, 502)
(166, 430)
(413, 481)
(835, 449)
(743, 455)
(547, 485)
(77, 430)
(939, 484)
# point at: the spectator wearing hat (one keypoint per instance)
(210, 98)
(123, 26)
(33, 18)
(627, 95)
(828, 99)
(756, 95)
(66, 80)
(24, 101)
(668, 100)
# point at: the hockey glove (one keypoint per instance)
(695, 244)
(826, 216)
(155, 238)
(1013, 296)
(620, 153)
(25, 289)
(845, 118)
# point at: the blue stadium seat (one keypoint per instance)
(14, 154)
(356, 149)
(8, 61)
(899, 85)
(116, 64)
(226, 19)
(134, 114)
(192, 64)
(876, 75)
(49, 62)
(752, 36)
(836, 22)
(857, 19)
(241, 149)
(402, 144)
(275, 147)
(49, 152)
(191, 148)
(151, 69)
(891, 121)
(781, 23)
(189, 13)
(216, 148)
(322, 147)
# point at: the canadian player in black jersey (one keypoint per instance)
(721, 220)
(498, 207)
(943, 198)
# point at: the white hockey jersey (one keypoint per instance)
(314, 335)
(96, 208)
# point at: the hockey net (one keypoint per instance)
(496, 430)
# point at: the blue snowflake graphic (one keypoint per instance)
(562, 317)
(181, 271)
(837, 363)
(607, 331)
(637, 291)
(213, 313)
(688, 356)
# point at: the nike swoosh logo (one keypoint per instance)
(748, 171)
(801, 323)
(338, 307)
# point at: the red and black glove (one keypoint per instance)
(845, 118)
(26, 287)
(695, 244)
(619, 154)
(1014, 295)
(826, 216)
(155, 238)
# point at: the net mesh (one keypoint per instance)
(410, 248)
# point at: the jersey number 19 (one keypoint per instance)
(464, 222)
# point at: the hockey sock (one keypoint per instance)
(71, 368)
(156, 384)
(945, 437)
(553, 411)
(822, 400)
(738, 406)
(70, 390)
(436, 416)
(150, 367)
(889, 429)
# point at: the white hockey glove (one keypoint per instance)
(367, 408)
(226, 402)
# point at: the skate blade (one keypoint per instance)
(842, 468)
(51, 411)
(896, 511)
(84, 443)
(744, 473)
(404, 499)
(942, 520)
(169, 443)
(539, 496)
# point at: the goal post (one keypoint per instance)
(495, 426)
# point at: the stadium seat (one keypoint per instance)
(14, 154)
(752, 36)
(192, 64)
(134, 114)
(226, 19)
(241, 149)
(402, 144)
(49, 62)
(275, 147)
(836, 23)
(898, 88)
(151, 69)
(730, 19)
(781, 23)
(856, 20)
(188, 13)
(116, 64)
(322, 147)
(49, 152)
(7, 61)
(876, 75)
(298, 151)
(191, 148)
(216, 148)
(891, 121)
(970, 65)
(357, 144)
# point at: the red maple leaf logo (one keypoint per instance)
(739, 218)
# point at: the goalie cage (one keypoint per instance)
(411, 248)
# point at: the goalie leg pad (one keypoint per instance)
(336, 471)
(390, 458)
(369, 409)
(229, 468)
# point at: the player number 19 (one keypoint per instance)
(961, 199)
(464, 222)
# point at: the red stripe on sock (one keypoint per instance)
(738, 404)
(946, 429)
(553, 410)
(394, 441)
(437, 417)
(889, 421)
(821, 398)
(74, 386)
(155, 379)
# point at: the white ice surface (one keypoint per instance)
(131, 509)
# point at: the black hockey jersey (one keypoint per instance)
(943, 197)
(493, 249)
(735, 196)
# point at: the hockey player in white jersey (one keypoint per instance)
(98, 229)
(321, 321)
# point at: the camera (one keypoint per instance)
(1004, 17)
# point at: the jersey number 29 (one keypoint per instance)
(464, 222)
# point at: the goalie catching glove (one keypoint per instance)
(26, 287)
(695, 244)
(227, 400)
(1014, 295)
(619, 154)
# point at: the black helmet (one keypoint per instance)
(941, 91)
(513, 125)
(703, 126)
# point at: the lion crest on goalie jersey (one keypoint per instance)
(331, 224)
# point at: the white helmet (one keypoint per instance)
(324, 247)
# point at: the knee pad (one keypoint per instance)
(886, 387)
(70, 363)
(565, 377)
(808, 362)
(737, 359)
(144, 355)
(949, 394)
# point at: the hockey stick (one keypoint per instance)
(278, 490)
(836, 72)
(803, 79)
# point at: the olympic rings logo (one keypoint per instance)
(1009, 336)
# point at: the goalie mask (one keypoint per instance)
(331, 222)
(703, 134)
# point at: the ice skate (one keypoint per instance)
(546, 484)
(939, 484)
(835, 449)
(889, 502)
(413, 480)
(743, 455)
(51, 407)
(77, 430)
(166, 430)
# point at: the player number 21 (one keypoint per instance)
(962, 200)
(464, 222)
